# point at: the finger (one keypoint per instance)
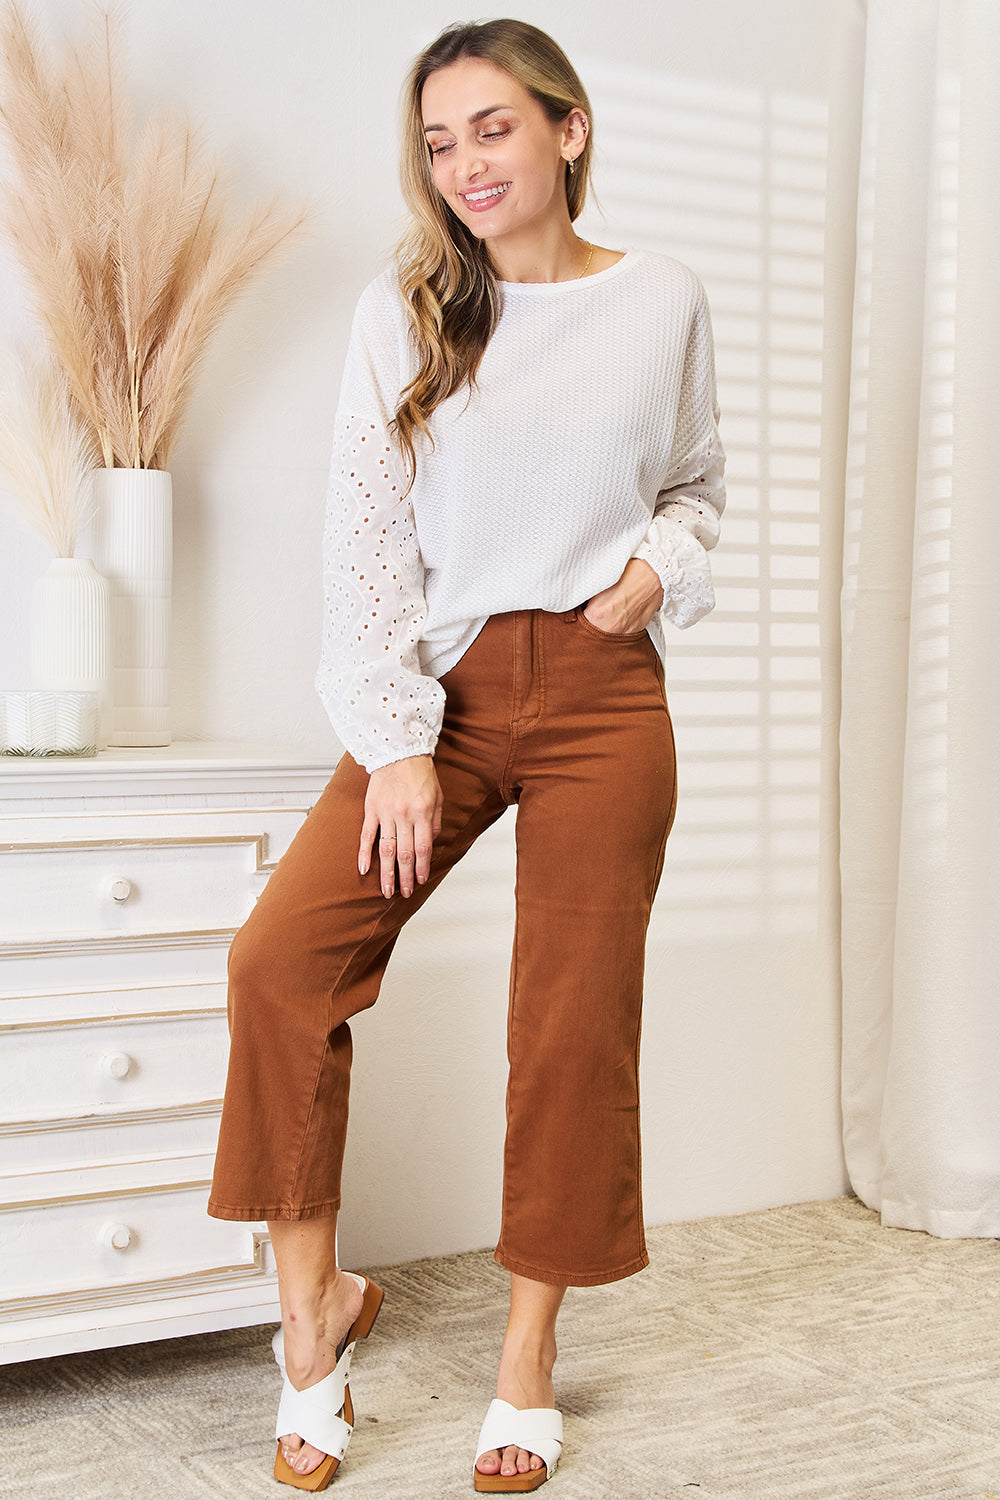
(369, 829)
(424, 834)
(387, 861)
(405, 860)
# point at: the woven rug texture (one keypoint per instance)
(792, 1353)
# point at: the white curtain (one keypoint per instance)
(920, 601)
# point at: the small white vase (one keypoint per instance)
(71, 632)
(132, 538)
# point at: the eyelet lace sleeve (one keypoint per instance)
(380, 704)
(685, 523)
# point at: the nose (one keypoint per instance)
(471, 163)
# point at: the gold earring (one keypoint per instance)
(571, 164)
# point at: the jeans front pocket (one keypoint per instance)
(607, 635)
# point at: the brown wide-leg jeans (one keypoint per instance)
(571, 724)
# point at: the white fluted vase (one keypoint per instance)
(133, 546)
(71, 633)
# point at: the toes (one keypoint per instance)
(299, 1455)
(512, 1461)
(508, 1465)
(488, 1463)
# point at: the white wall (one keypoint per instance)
(710, 120)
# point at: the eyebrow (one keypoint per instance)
(473, 119)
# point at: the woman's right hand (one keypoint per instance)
(403, 809)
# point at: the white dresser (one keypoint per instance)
(122, 881)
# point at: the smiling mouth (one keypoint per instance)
(482, 196)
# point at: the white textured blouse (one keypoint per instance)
(590, 437)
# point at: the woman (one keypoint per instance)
(526, 478)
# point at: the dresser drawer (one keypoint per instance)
(122, 880)
(128, 888)
(61, 1069)
(101, 1244)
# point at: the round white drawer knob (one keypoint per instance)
(121, 890)
(117, 1065)
(117, 1236)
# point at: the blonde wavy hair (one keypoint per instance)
(448, 281)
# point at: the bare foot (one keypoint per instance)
(311, 1340)
(524, 1381)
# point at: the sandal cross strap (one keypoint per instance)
(315, 1412)
(538, 1430)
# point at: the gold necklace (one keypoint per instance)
(587, 266)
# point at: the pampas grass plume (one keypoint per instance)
(129, 253)
(46, 454)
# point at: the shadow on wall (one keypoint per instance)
(732, 181)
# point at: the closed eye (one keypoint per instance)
(498, 134)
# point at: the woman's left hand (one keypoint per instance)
(629, 604)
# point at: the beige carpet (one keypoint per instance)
(801, 1352)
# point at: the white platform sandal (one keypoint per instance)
(538, 1430)
(323, 1414)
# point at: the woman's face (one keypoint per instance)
(498, 161)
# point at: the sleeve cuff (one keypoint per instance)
(681, 563)
(378, 760)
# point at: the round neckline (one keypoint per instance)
(535, 288)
